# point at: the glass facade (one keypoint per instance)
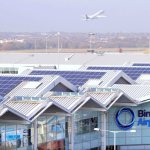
(85, 137)
(53, 131)
(52, 134)
(8, 70)
(16, 136)
(128, 140)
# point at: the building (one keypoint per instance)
(47, 105)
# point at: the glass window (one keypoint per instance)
(42, 129)
(24, 136)
(2, 136)
(11, 137)
(86, 125)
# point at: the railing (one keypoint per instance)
(67, 94)
(27, 98)
(103, 90)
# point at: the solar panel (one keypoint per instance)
(75, 77)
(133, 72)
(8, 83)
(141, 64)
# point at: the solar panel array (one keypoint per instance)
(133, 72)
(141, 64)
(75, 77)
(8, 83)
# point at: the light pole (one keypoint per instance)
(114, 132)
(91, 35)
(58, 41)
(149, 42)
(58, 45)
(46, 42)
(35, 44)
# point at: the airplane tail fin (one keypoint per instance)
(86, 17)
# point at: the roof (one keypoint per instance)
(21, 91)
(89, 58)
(76, 77)
(25, 108)
(103, 97)
(109, 78)
(137, 92)
(67, 102)
(9, 82)
(99, 99)
(46, 83)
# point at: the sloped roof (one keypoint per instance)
(46, 84)
(26, 109)
(72, 101)
(103, 98)
(68, 102)
(109, 78)
(112, 76)
(21, 91)
(137, 92)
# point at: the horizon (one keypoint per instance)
(42, 32)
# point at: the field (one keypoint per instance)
(123, 50)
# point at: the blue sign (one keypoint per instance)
(125, 126)
(12, 137)
(142, 114)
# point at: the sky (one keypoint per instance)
(66, 16)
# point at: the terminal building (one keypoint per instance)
(74, 101)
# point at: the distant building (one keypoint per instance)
(12, 41)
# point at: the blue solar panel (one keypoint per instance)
(133, 72)
(8, 83)
(75, 77)
(141, 64)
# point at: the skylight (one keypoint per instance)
(32, 85)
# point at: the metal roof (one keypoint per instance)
(112, 76)
(71, 101)
(26, 109)
(67, 102)
(111, 96)
(89, 59)
(30, 109)
(103, 81)
(21, 91)
(104, 98)
(46, 84)
(137, 92)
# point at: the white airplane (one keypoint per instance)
(96, 15)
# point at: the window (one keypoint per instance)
(86, 125)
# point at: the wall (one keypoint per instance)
(142, 134)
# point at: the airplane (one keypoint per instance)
(96, 15)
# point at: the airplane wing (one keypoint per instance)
(98, 13)
(101, 16)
